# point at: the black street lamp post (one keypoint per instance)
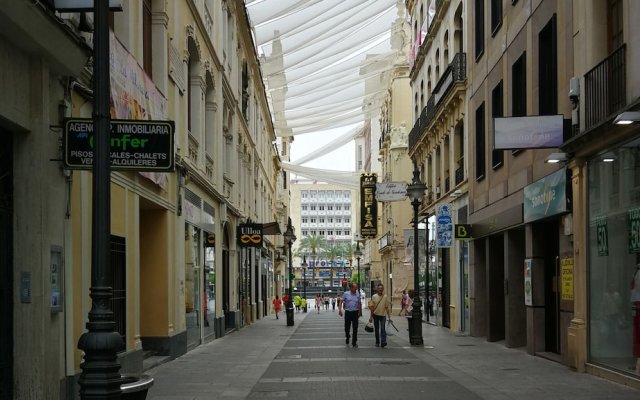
(415, 190)
(304, 281)
(290, 237)
(100, 377)
(358, 254)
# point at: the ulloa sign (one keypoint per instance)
(135, 145)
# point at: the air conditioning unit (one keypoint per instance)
(437, 189)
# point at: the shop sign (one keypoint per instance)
(528, 289)
(368, 206)
(602, 235)
(532, 132)
(82, 5)
(209, 239)
(134, 145)
(546, 197)
(463, 231)
(391, 191)
(444, 226)
(566, 278)
(634, 230)
(250, 235)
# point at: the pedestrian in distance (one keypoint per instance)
(277, 305)
(409, 305)
(296, 302)
(318, 302)
(333, 303)
(326, 303)
(403, 303)
(380, 307)
(352, 311)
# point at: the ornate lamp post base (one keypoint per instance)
(289, 311)
(415, 324)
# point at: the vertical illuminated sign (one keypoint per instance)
(368, 206)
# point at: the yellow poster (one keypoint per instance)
(566, 272)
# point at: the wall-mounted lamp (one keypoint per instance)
(627, 117)
(608, 157)
(555, 158)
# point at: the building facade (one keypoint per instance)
(602, 150)
(180, 275)
(438, 144)
(324, 211)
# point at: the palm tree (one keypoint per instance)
(312, 245)
(331, 253)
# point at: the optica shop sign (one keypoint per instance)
(135, 145)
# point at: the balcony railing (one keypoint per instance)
(459, 175)
(455, 72)
(604, 88)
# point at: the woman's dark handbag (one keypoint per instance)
(368, 327)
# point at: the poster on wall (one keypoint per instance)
(634, 230)
(566, 275)
(528, 293)
(602, 236)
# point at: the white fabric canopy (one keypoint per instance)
(333, 55)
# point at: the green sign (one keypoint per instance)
(546, 197)
(292, 276)
(634, 230)
(138, 145)
(602, 235)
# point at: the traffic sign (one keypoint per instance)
(292, 276)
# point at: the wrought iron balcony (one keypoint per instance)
(604, 92)
(455, 72)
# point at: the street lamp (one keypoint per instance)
(100, 377)
(304, 281)
(358, 254)
(415, 190)
(289, 238)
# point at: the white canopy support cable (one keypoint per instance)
(331, 146)
(334, 42)
(345, 179)
(317, 27)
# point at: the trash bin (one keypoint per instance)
(135, 387)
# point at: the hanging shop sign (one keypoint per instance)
(444, 226)
(209, 239)
(135, 145)
(391, 191)
(546, 197)
(368, 206)
(533, 132)
(602, 236)
(250, 235)
(82, 5)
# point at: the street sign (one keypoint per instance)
(292, 276)
(136, 145)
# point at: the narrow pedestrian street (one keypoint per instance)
(311, 361)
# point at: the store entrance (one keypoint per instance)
(6, 268)
(552, 288)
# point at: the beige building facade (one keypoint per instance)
(179, 276)
(438, 143)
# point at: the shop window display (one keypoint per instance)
(614, 258)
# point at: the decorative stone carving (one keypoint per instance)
(399, 136)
